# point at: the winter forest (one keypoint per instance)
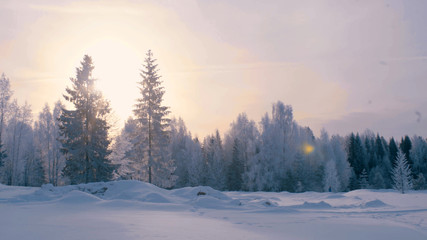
(70, 142)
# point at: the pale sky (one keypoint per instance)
(343, 65)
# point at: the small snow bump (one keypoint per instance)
(374, 204)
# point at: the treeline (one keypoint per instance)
(278, 155)
(30, 153)
(69, 146)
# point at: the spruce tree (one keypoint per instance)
(152, 120)
(356, 154)
(236, 168)
(84, 129)
(392, 148)
(401, 174)
(406, 146)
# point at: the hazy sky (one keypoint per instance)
(343, 65)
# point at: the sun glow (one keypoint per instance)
(307, 148)
(117, 66)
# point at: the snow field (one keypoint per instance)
(137, 210)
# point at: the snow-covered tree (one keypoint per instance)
(195, 162)
(187, 155)
(215, 170)
(246, 133)
(34, 173)
(120, 157)
(330, 177)
(84, 129)
(58, 163)
(342, 165)
(332, 150)
(45, 138)
(419, 182)
(268, 165)
(18, 136)
(151, 117)
(47, 146)
(363, 179)
(401, 174)
(419, 155)
(5, 95)
(179, 152)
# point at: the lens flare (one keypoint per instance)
(307, 148)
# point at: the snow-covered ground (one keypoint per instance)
(136, 210)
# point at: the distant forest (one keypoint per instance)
(64, 146)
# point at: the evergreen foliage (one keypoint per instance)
(275, 154)
(405, 146)
(236, 168)
(84, 130)
(420, 182)
(401, 174)
(393, 151)
(363, 180)
(151, 116)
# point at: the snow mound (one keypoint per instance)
(121, 190)
(135, 190)
(209, 202)
(192, 193)
(374, 204)
(314, 205)
(49, 192)
(78, 197)
(155, 198)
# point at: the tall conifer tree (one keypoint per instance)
(401, 174)
(152, 120)
(84, 130)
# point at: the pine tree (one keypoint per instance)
(247, 134)
(178, 149)
(356, 157)
(392, 148)
(406, 146)
(419, 156)
(152, 120)
(84, 130)
(236, 168)
(213, 154)
(401, 174)
(34, 174)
